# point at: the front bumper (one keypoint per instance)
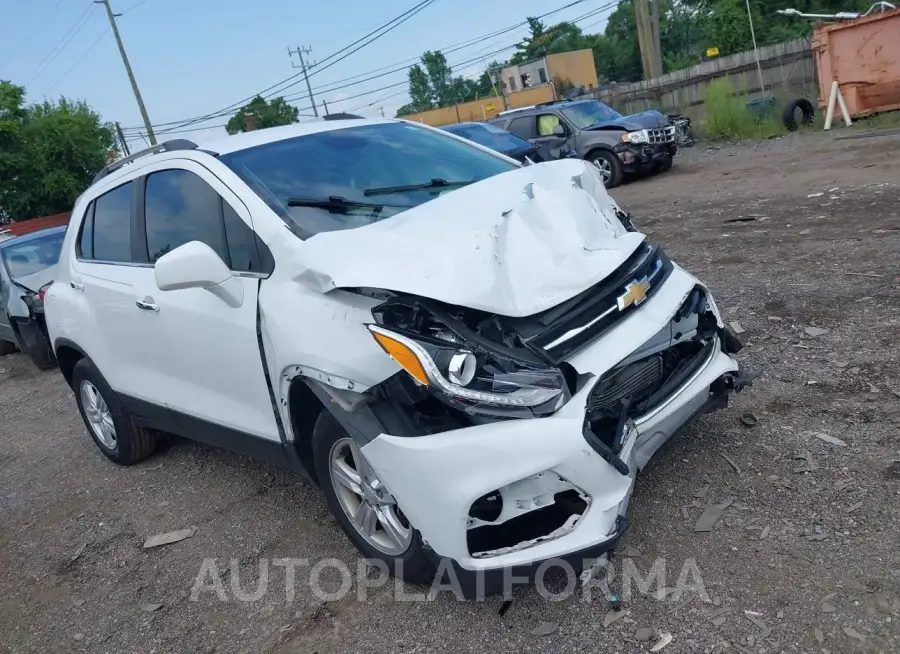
(643, 158)
(436, 478)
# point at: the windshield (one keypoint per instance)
(490, 137)
(34, 255)
(338, 166)
(585, 114)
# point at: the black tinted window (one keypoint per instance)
(179, 208)
(523, 127)
(112, 225)
(86, 240)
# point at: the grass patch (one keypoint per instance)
(729, 117)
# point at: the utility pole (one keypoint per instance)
(122, 141)
(300, 52)
(382, 111)
(134, 86)
(647, 39)
(325, 104)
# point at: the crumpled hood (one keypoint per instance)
(37, 279)
(645, 120)
(514, 244)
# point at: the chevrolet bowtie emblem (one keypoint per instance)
(635, 293)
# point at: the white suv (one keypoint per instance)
(472, 358)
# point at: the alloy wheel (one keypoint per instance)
(370, 507)
(98, 415)
(605, 169)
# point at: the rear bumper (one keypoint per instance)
(437, 478)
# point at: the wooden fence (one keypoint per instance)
(787, 69)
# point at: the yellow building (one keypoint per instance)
(576, 67)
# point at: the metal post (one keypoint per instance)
(134, 86)
(300, 52)
(325, 104)
(125, 150)
(762, 84)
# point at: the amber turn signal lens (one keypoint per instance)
(402, 355)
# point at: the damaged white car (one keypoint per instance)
(473, 359)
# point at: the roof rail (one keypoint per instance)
(517, 109)
(342, 116)
(168, 146)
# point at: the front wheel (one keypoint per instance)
(609, 166)
(364, 507)
(665, 163)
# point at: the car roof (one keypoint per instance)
(543, 107)
(245, 140)
(33, 236)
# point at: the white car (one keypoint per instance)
(472, 358)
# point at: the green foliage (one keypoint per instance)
(432, 85)
(263, 114)
(728, 116)
(49, 153)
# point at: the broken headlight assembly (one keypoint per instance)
(462, 368)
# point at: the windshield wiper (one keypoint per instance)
(434, 183)
(338, 204)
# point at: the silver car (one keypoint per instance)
(27, 266)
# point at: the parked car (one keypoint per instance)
(472, 358)
(497, 139)
(618, 145)
(27, 266)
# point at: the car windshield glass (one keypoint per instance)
(490, 137)
(300, 177)
(585, 114)
(33, 255)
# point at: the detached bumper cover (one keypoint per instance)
(437, 478)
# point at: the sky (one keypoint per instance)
(195, 57)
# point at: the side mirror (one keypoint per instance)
(559, 130)
(196, 265)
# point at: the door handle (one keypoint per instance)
(147, 305)
(78, 286)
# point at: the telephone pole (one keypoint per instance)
(300, 52)
(134, 86)
(647, 39)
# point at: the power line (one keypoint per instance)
(17, 51)
(78, 61)
(61, 44)
(133, 7)
(387, 26)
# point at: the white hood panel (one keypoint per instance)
(514, 244)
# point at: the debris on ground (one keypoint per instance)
(764, 533)
(77, 553)
(711, 515)
(853, 633)
(737, 328)
(169, 537)
(504, 607)
(827, 606)
(816, 331)
(810, 464)
(701, 493)
(631, 553)
(611, 617)
(827, 438)
(749, 420)
(644, 634)
(819, 635)
(754, 617)
(151, 607)
(664, 639)
(814, 195)
(853, 507)
(545, 629)
(734, 465)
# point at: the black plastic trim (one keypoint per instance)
(168, 146)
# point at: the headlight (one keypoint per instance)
(474, 379)
(635, 137)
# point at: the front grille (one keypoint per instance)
(569, 327)
(630, 381)
(661, 135)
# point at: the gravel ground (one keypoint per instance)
(813, 555)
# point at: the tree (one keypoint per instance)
(49, 153)
(432, 85)
(262, 114)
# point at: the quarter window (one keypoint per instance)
(111, 229)
(523, 127)
(86, 239)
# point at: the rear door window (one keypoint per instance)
(523, 127)
(111, 229)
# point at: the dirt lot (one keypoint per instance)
(816, 555)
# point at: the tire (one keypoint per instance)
(609, 166)
(130, 443)
(665, 164)
(417, 564)
(34, 342)
(789, 117)
(7, 348)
